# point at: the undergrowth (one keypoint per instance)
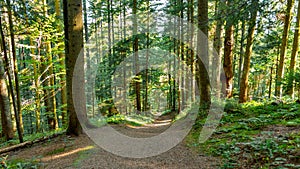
(249, 135)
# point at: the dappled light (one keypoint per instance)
(135, 84)
(62, 155)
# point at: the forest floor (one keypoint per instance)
(81, 152)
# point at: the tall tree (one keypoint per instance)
(74, 43)
(7, 128)
(6, 119)
(190, 51)
(241, 59)
(89, 87)
(287, 23)
(7, 65)
(63, 94)
(136, 56)
(290, 86)
(145, 100)
(48, 79)
(228, 53)
(15, 66)
(216, 62)
(203, 58)
(246, 68)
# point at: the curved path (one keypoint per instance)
(81, 152)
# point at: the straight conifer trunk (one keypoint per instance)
(280, 72)
(246, 68)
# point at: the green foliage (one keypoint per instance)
(245, 136)
(135, 120)
(30, 137)
(56, 151)
(23, 164)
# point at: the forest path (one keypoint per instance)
(81, 152)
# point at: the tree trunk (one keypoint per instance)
(190, 51)
(63, 94)
(136, 56)
(246, 68)
(37, 90)
(18, 112)
(228, 55)
(74, 44)
(270, 83)
(287, 23)
(147, 58)
(241, 53)
(290, 86)
(216, 63)
(203, 58)
(48, 81)
(6, 119)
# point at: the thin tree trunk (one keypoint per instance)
(182, 73)
(147, 58)
(235, 48)
(6, 118)
(178, 53)
(90, 84)
(246, 68)
(191, 52)
(290, 86)
(6, 122)
(63, 94)
(228, 55)
(287, 23)
(241, 53)
(174, 93)
(271, 80)
(216, 62)
(37, 90)
(136, 56)
(17, 101)
(48, 78)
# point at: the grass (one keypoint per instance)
(135, 120)
(240, 140)
(56, 151)
(23, 164)
(31, 137)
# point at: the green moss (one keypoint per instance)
(56, 151)
(240, 136)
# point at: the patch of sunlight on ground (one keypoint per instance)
(53, 157)
(157, 124)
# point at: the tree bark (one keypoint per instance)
(6, 122)
(216, 62)
(136, 56)
(270, 83)
(6, 118)
(63, 94)
(228, 55)
(18, 112)
(290, 85)
(203, 58)
(241, 53)
(48, 80)
(287, 23)
(37, 89)
(246, 68)
(74, 44)
(190, 52)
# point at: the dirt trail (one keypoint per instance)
(81, 152)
